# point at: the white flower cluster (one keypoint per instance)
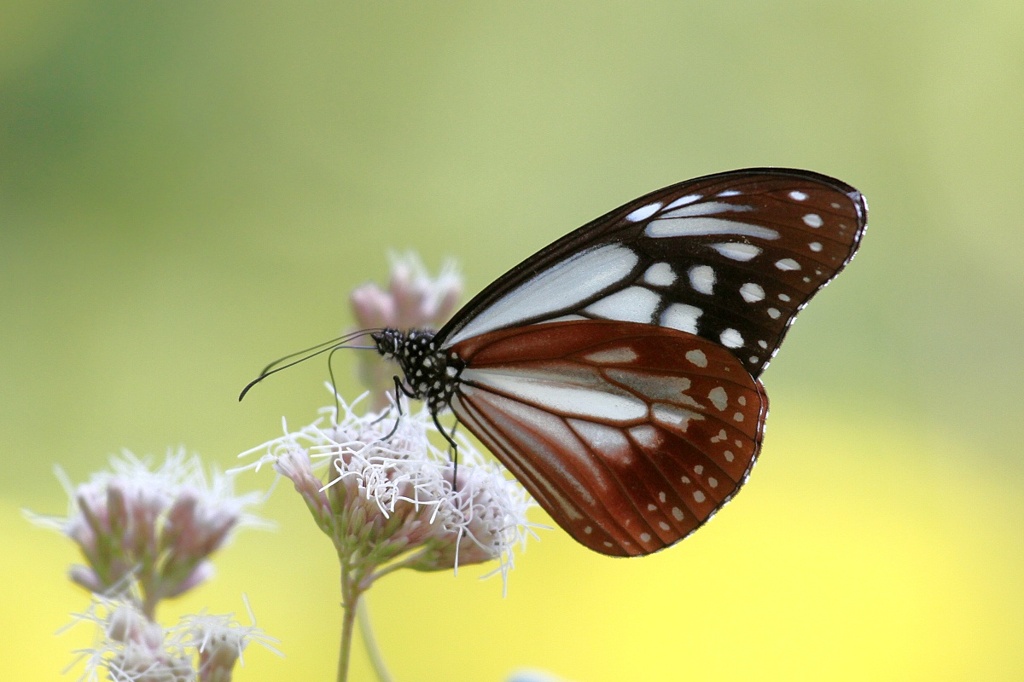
(150, 527)
(388, 497)
(132, 648)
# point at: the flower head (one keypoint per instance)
(414, 299)
(130, 647)
(153, 526)
(219, 640)
(387, 499)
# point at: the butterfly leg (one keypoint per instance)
(400, 390)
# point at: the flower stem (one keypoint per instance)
(345, 648)
(370, 642)
(350, 594)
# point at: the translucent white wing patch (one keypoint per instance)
(555, 290)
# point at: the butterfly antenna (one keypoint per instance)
(334, 383)
(306, 354)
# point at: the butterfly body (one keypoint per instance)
(615, 372)
(431, 375)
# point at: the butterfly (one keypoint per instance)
(615, 372)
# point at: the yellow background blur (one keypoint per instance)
(188, 190)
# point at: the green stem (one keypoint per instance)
(349, 604)
(370, 642)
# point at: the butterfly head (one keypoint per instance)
(388, 342)
(431, 374)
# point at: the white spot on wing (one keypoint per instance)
(737, 250)
(683, 201)
(718, 398)
(702, 279)
(697, 357)
(815, 246)
(752, 293)
(731, 338)
(787, 264)
(560, 286)
(643, 212)
(774, 313)
(702, 226)
(682, 317)
(729, 193)
(632, 304)
(797, 195)
(813, 220)
(660, 275)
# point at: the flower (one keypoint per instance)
(129, 646)
(132, 648)
(219, 640)
(154, 526)
(414, 300)
(385, 494)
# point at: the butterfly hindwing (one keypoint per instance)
(730, 257)
(630, 435)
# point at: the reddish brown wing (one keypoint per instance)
(629, 435)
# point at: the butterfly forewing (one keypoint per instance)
(729, 257)
(630, 435)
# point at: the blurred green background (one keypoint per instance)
(188, 190)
